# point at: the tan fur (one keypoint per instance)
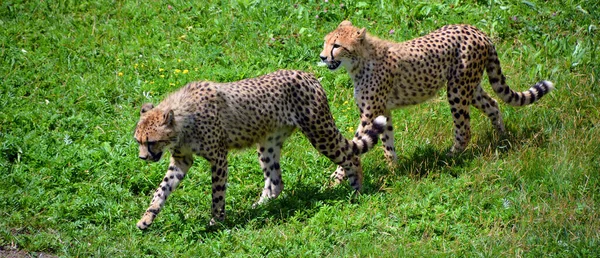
(389, 75)
(208, 119)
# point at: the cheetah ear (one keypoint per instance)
(345, 23)
(168, 117)
(360, 34)
(146, 107)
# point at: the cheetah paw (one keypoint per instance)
(144, 222)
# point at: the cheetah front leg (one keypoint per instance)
(178, 167)
(387, 140)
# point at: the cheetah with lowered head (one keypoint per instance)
(389, 75)
(208, 119)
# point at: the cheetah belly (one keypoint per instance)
(404, 93)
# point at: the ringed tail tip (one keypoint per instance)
(549, 85)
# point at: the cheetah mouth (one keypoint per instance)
(333, 65)
(156, 157)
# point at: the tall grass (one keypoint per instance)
(74, 75)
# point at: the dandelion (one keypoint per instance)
(135, 65)
(171, 84)
(179, 60)
(120, 74)
(351, 129)
(186, 71)
(177, 71)
(161, 70)
(162, 76)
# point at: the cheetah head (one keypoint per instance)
(154, 132)
(341, 44)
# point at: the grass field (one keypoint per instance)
(74, 75)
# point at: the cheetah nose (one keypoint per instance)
(323, 58)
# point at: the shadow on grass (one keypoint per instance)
(430, 160)
(303, 201)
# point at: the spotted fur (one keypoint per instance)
(389, 75)
(208, 119)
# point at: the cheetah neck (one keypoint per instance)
(371, 51)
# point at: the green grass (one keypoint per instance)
(74, 75)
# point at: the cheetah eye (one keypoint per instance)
(336, 45)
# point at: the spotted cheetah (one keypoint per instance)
(389, 75)
(208, 119)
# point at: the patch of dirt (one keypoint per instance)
(11, 253)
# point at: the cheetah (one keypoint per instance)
(208, 119)
(389, 75)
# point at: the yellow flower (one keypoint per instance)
(351, 129)
(196, 69)
(182, 36)
(135, 65)
(186, 71)
(179, 60)
(120, 74)
(162, 76)
(177, 71)
(172, 84)
(161, 70)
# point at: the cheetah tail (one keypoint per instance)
(371, 133)
(498, 82)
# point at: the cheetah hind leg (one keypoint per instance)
(269, 153)
(340, 173)
(489, 106)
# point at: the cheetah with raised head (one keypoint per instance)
(208, 119)
(389, 75)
